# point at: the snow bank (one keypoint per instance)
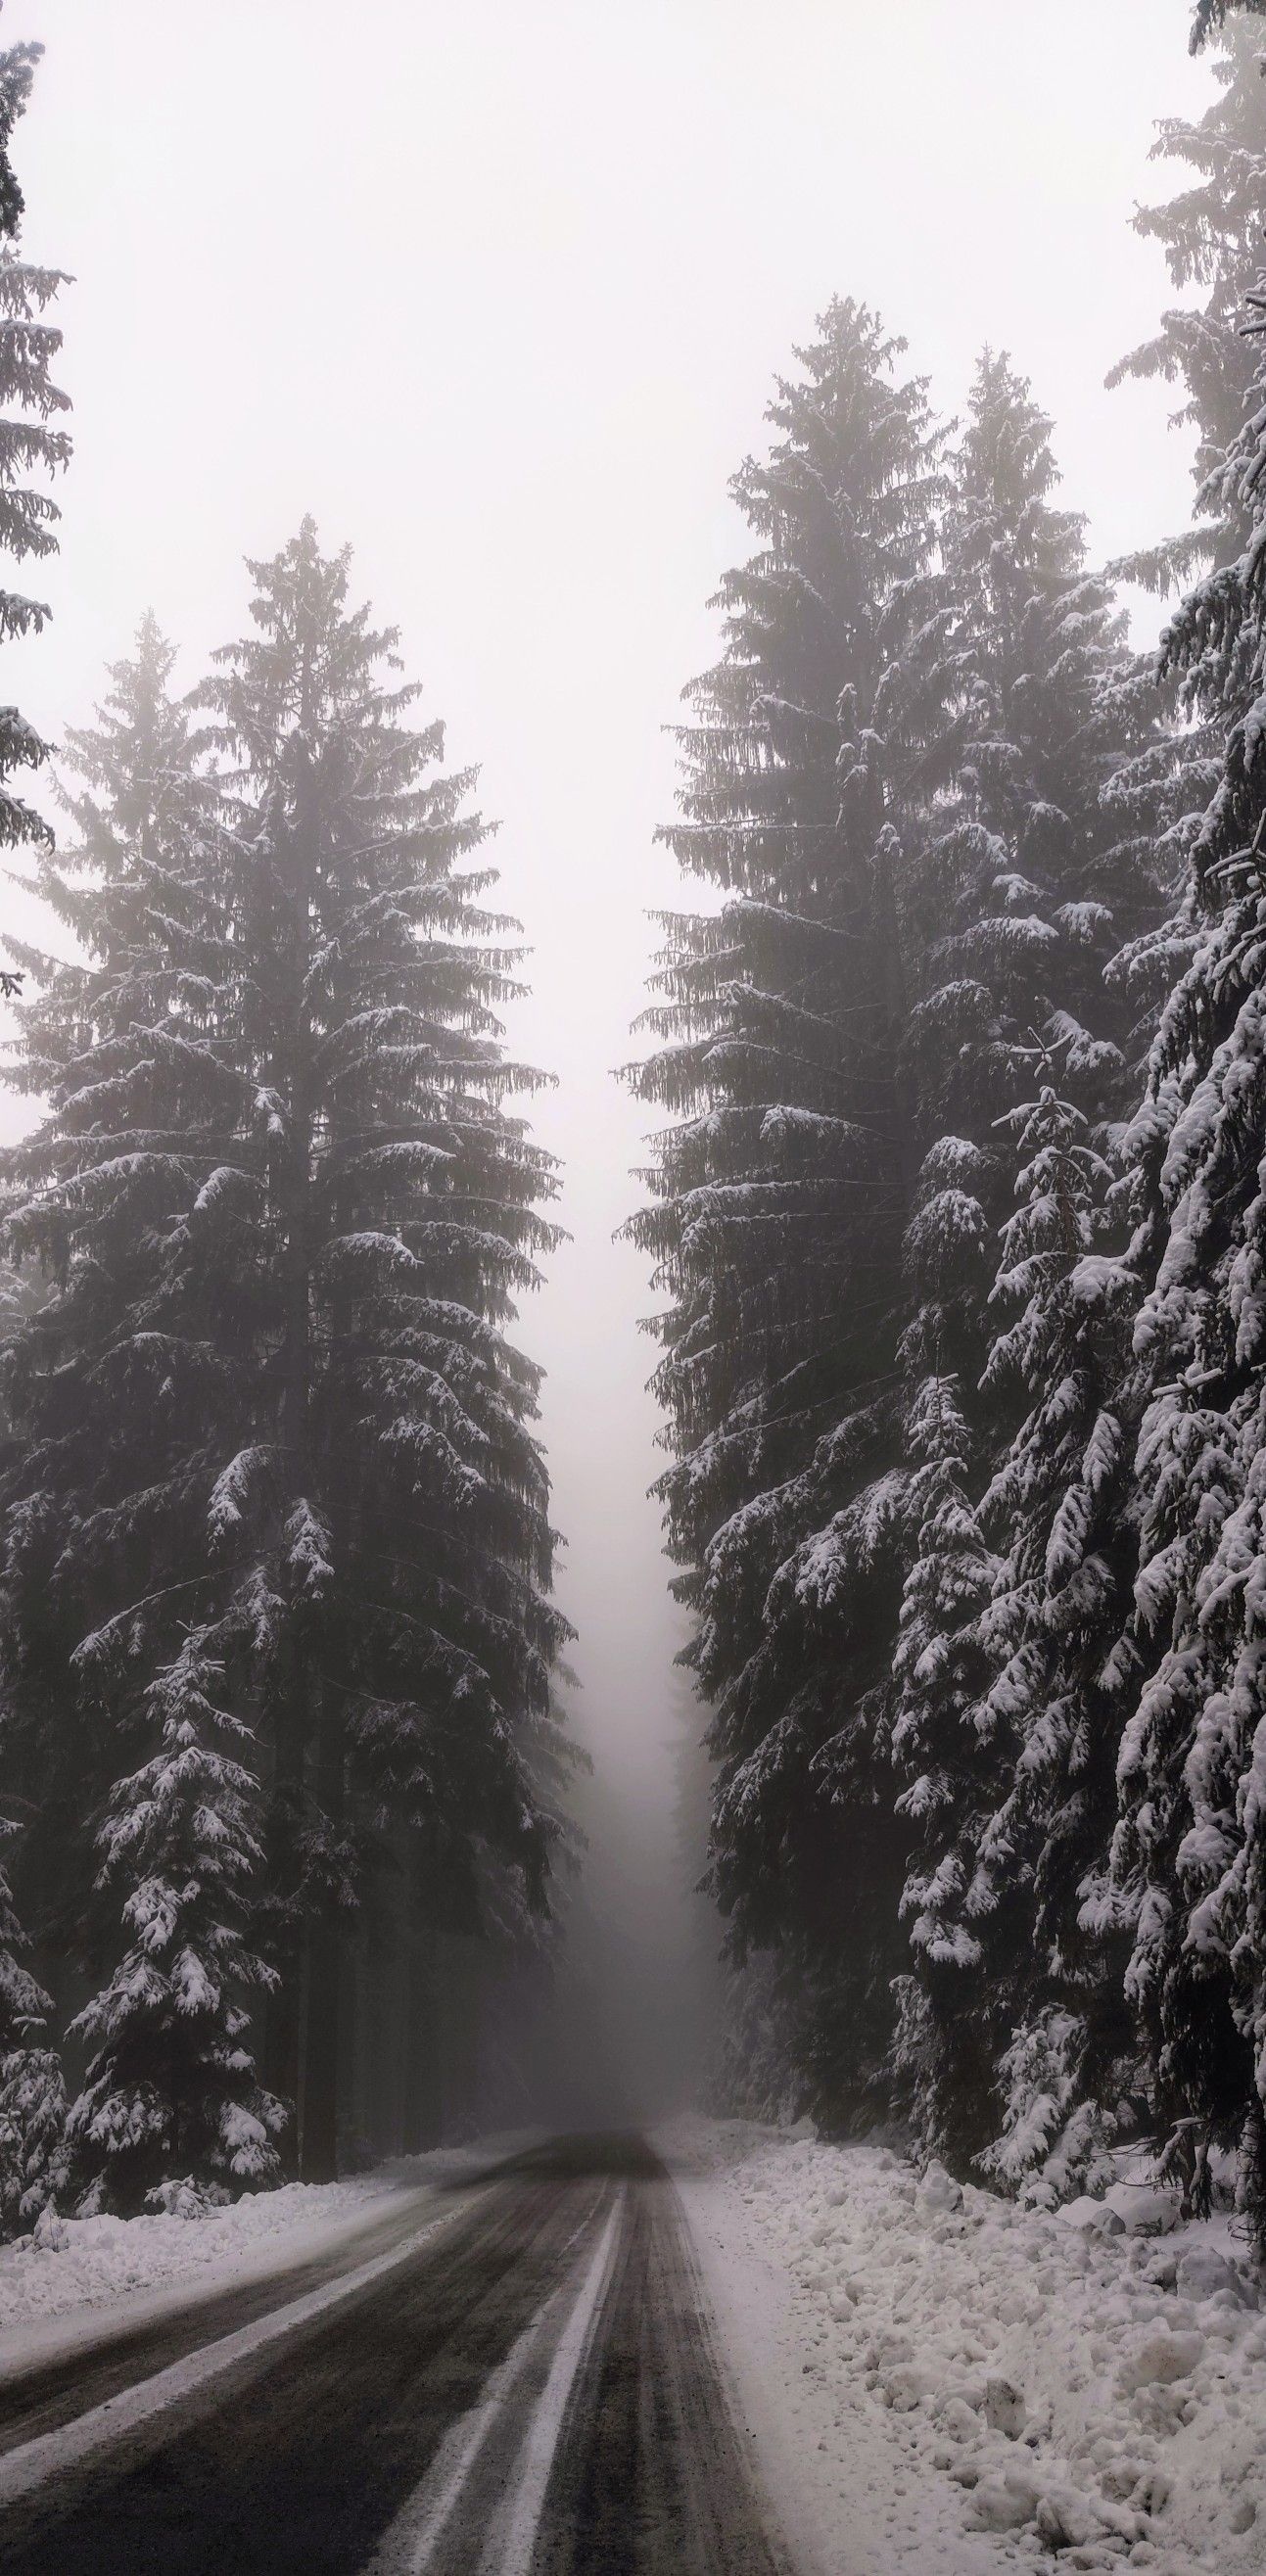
(944, 2381)
(77, 2266)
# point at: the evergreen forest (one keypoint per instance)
(954, 1071)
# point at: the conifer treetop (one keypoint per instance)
(30, 442)
(1210, 234)
(17, 73)
(1211, 16)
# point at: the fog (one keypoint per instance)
(498, 292)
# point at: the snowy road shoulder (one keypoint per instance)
(968, 2387)
(105, 2274)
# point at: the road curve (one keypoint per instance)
(529, 2387)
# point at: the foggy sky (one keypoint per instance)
(497, 290)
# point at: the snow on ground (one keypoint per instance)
(939, 2382)
(85, 2265)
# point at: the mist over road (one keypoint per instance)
(528, 2388)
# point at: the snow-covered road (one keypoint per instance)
(516, 2378)
(562, 2363)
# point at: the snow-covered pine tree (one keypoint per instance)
(29, 403)
(1059, 1507)
(32, 2095)
(32, 2092)
(1209, 233)
(1190, 1850)
(386, 1488)
(781, 1189)
(170, 2091)
(1039, 865)
(118, 1383)
(1032, 874)
(1211, 15)
(272, 1404)
(17, 71)
(1054, 1722)
(88, 1500)
(1027, 888)
(943, 2054)
(23, 2002)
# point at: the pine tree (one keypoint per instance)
(939, 1668)
(34, 2146)
(1002, 704)
(1211, 16)
(23, 2003)
(112, 1380)
(389, 1451)
(32, 2095)
(1042, 862)
(1035, 869)
(271, 1411)
(1189, 1869)
(29, 402)
(1209, 233)
(1028, 887)
(1059, 1503)
(90, 1502)
(781, 1192)
(17, 72)
(170, 2090)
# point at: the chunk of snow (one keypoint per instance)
(939, 2191)
(1097, 2216)
(1005, 2410)
(1203, 2272)
(52, 2236)
(1159, 2358)
(1006, 2503)
(1145, 2209)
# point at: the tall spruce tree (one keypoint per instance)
(1210, 234)
(390, 1454)
(941, 2055)
(128, 894)
(1003, 704)
(114, 1385)
(1189, 1867)
(1039, 867)
(1211, 16)
(1028, 885)
(32, 2102)
(1060, 1505)
(780, 1194)
(29, 404)
(32, 2091)
(272, 1434)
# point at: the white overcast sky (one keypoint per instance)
(497, 289)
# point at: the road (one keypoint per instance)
(522, 2383)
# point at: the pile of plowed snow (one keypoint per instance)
(1092, 2381)
(73, 2264)
(86, 2262)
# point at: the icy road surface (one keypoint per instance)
(517, 2378)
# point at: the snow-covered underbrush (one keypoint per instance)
(1093, 2381)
